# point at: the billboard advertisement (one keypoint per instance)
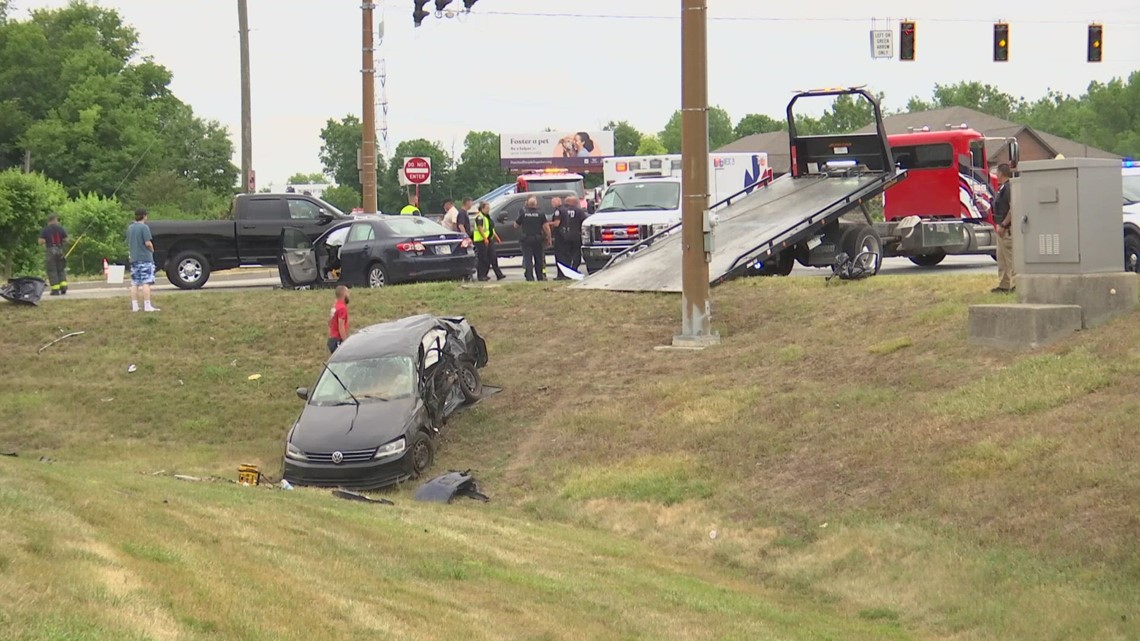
(570, 150)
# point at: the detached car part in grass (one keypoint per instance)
(376, 412)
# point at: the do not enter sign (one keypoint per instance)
(417, 171)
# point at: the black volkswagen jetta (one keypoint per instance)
(375, 414)
(375, 251)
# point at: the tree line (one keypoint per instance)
(89, 128)
(1106, 116)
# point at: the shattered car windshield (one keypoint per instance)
(379, 379)
(642, 195)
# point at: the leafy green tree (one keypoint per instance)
(315, 178)
(342, 140)
(77, 102)
(479, 169)
(626, 137)
(26, 200)
(393, 196)
(167, 195)
(98, 230)
(757, 124)
(720, 130)
(343, 197)
(650, 146)
(973, 95)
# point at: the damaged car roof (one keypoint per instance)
(394, 338)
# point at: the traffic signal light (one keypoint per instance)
(440, 5)
(906, 41)
(1001, 42)
(419, 13)
(467, 4)
(1095, 41)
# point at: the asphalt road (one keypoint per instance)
(259, 278)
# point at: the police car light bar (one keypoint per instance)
(1129, 163)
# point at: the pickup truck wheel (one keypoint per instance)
(188, 270)
(1132, 253)
(863, 238)
(377, 275)
(928, 260)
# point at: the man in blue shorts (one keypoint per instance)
(142, 261)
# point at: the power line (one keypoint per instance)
(772, 19)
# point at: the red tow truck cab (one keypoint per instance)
(948, 176)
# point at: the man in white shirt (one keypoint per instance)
(450, 216)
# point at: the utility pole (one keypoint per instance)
(246, 109)
(696, 233)
(368, 144)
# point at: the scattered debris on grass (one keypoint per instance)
(41, 349)
(354, 496)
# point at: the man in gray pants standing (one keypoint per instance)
(53, 237)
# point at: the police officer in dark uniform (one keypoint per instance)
(567, 229)
(532, 240)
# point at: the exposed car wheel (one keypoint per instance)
(470, 382)
(1132, 253)
(858, 241)
(420, 455)
(188, 270)
(377, 275)
(928, 260)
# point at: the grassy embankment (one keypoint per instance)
(867, 475)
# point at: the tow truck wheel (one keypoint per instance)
(928, 260)
(1132, 253)
(188, 270)
(863, 240)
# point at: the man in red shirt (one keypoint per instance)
(338, 319)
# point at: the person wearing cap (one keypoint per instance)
(52, 238)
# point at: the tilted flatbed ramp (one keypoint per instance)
(785, 212)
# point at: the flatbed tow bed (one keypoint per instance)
(794, 218)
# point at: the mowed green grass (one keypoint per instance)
(842, 466)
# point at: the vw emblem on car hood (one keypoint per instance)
(337, 458)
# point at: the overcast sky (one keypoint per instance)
(513, 73)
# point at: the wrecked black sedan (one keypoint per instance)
(375, 414)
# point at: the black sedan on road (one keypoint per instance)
(375, 251)
(376, 412)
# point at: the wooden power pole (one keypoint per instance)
(696, 325)
(246, 109)
(368, 144)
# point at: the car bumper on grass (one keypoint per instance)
(370, 475)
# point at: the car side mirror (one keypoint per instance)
(1014, 154)
(502, 218)
(324, 217)
(303, 393)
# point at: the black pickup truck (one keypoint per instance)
(190, 251)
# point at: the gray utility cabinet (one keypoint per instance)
(1067, 217)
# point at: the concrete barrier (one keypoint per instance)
(1021, 326)
(1101, 297)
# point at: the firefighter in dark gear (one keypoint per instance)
(53, 237)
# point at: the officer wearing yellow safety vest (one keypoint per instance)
(485, 237)
(413, 206)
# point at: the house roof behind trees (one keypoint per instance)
(775, 144)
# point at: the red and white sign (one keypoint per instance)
(417, 171)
